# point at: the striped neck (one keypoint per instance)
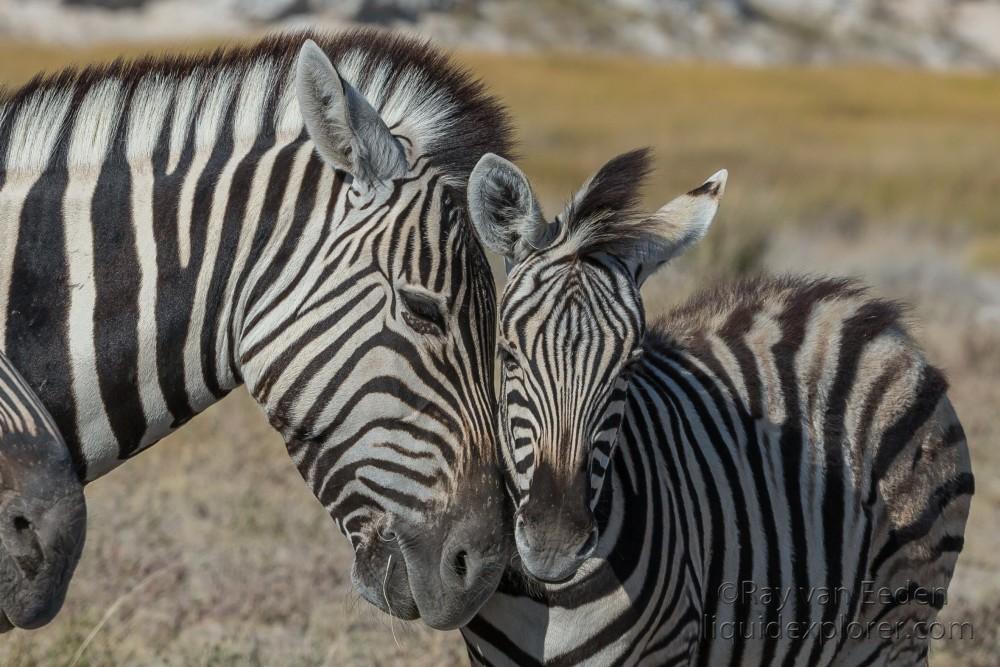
(150, 212)
(152, 263)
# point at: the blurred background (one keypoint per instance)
(862, 138)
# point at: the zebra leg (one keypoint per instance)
(43, 516)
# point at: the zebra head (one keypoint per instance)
(43, 516)
(571, 331)
(370, 349)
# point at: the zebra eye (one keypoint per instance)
(631, 363)
(423, 312)
(508, 359)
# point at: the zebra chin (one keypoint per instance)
(381, 577)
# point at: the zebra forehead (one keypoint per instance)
(419, 92)
(570, 335)
(580, 293)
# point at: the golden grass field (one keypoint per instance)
(209, 549)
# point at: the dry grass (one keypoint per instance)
(209, 550)
(216, 553)
(802, 144)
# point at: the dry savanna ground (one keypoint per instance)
(209, 550)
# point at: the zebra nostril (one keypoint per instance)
(460, 563)
(462, 568)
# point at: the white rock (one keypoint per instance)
(978, 25)
(804, 13)
(923, 15)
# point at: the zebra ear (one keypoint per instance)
(679, 225)
(505, 211)
(348, 132)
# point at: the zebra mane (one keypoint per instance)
(734, 304)
(419, 92)
(603, 216)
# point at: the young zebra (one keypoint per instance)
(290, 219)
(772, 474)
(43, 516)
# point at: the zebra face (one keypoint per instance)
(564, 381)
(571, 330)
(374, 360)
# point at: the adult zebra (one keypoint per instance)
(43, 517)
(172, 228)
(774, 471)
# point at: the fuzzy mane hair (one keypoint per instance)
(603, 216)
(419, 92)
(734, 304)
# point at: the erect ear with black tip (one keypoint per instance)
(348, 132)
(680, 224)
(505, 211)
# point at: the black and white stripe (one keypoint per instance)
(173, 228)
(785, 434)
